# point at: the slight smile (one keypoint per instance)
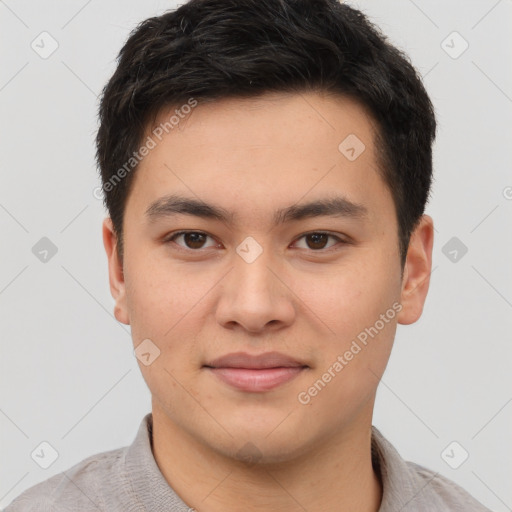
(255, 373)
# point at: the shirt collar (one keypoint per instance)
(403, 488)
(147, 483)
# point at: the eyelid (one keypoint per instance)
(342, 240)
(175, 234)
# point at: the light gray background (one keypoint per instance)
(68, 374)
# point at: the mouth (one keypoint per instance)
(258, 373)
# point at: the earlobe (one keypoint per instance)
(418, 267)
(115, 272)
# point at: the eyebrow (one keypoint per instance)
(171, 205)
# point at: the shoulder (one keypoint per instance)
(408, 486)
(83, 486)
(449, 495)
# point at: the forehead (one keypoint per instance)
(296, 118)
(265, 151)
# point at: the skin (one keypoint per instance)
(304, 299)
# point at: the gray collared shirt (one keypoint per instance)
(129, 480)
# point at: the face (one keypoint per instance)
(290, 247)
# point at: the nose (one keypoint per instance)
(255, 297)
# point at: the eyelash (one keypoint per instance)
(173, 236)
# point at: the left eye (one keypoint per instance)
(318, 240)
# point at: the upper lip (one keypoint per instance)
(260, 361)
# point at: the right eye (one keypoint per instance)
(193, 240)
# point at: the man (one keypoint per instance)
(266, 166)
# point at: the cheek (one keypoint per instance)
(168, 305)
(357, 345)
(349, 298)
(359, 309)
(158, 302)
(163, 308)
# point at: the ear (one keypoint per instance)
(115, 272)
(417, 270)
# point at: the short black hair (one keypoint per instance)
(215, 49)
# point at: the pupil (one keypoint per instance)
(194, 240)
(318, 238)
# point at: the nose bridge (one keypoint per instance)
(251, 273)
(252, 296)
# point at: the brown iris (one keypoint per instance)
(319, 240)
(194, 240)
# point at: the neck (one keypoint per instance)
(334, 475)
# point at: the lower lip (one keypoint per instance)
(252, 380)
